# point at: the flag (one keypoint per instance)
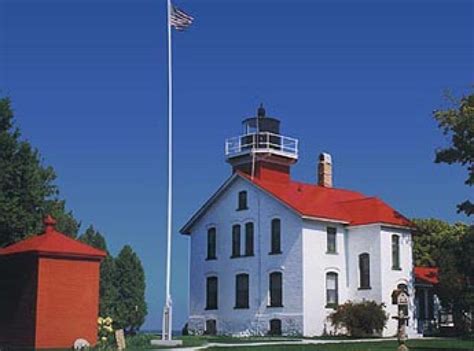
(179, 19)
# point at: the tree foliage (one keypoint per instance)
(361, 319)
(93, 238)
(28, 193)
(430, 238)
(122, 284)
(131, 307)
(451, 249)
(27, 189)
(457, 122)
(107, 288)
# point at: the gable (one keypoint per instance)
(220, 194)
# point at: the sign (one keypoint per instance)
(120, 339)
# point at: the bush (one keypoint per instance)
(361, 319)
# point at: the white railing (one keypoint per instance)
(261, 142)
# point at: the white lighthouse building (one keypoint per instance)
(271, 255)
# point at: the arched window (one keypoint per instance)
(236, 240)
(364, 271)
(242, 291)
(332, 294)
(395, 252)
(276, 236)
(211, 244)
(211, 293)
(242, 201)
(275, 327)
(276, 289)
(249, 239)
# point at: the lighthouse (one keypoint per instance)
(270, 255)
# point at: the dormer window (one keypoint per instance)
(242, 201)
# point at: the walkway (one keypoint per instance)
(277, 343)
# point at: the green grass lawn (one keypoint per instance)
(414, 345)
(142, 342)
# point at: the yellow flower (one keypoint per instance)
(100, 320)
(109, 328)
(104, 338)
(108, 321)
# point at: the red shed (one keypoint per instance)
(49, 291)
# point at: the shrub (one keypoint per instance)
(360, 319)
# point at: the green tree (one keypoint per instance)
(94, 238)
(108, 298)
(457, 122)
(451, 248)
(131, 308)
(429, 238)
(27, 189)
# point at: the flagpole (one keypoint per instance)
(167, 312)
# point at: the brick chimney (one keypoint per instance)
(325, 170)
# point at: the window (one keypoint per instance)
(331, 240)
(211, 327)
(249, 239)
(242, 291)
(331, 290)
(276, 237)
(276, 288)
(211, 293)
(242, 204)
(275, 327)
(236, 240)
(364, 271)
(395, 252)
(211, 244)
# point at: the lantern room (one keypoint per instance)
(261, 151)
(49, 291)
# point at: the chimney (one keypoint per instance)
(325, 170)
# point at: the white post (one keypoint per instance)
(167, 311)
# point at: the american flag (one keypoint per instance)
(180, 19)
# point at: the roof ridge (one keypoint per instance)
(365, 198)
(296, 182)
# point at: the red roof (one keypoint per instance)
(427, 275)
(316, 201)
(52, 242)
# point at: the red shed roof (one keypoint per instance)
(427, 275)
(318, 202)
(52, 242)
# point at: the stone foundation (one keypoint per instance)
(258, 326)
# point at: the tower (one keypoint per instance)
(261, 151)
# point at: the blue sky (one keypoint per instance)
(358, 79)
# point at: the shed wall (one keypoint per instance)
(68, 300)
(18, 281)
